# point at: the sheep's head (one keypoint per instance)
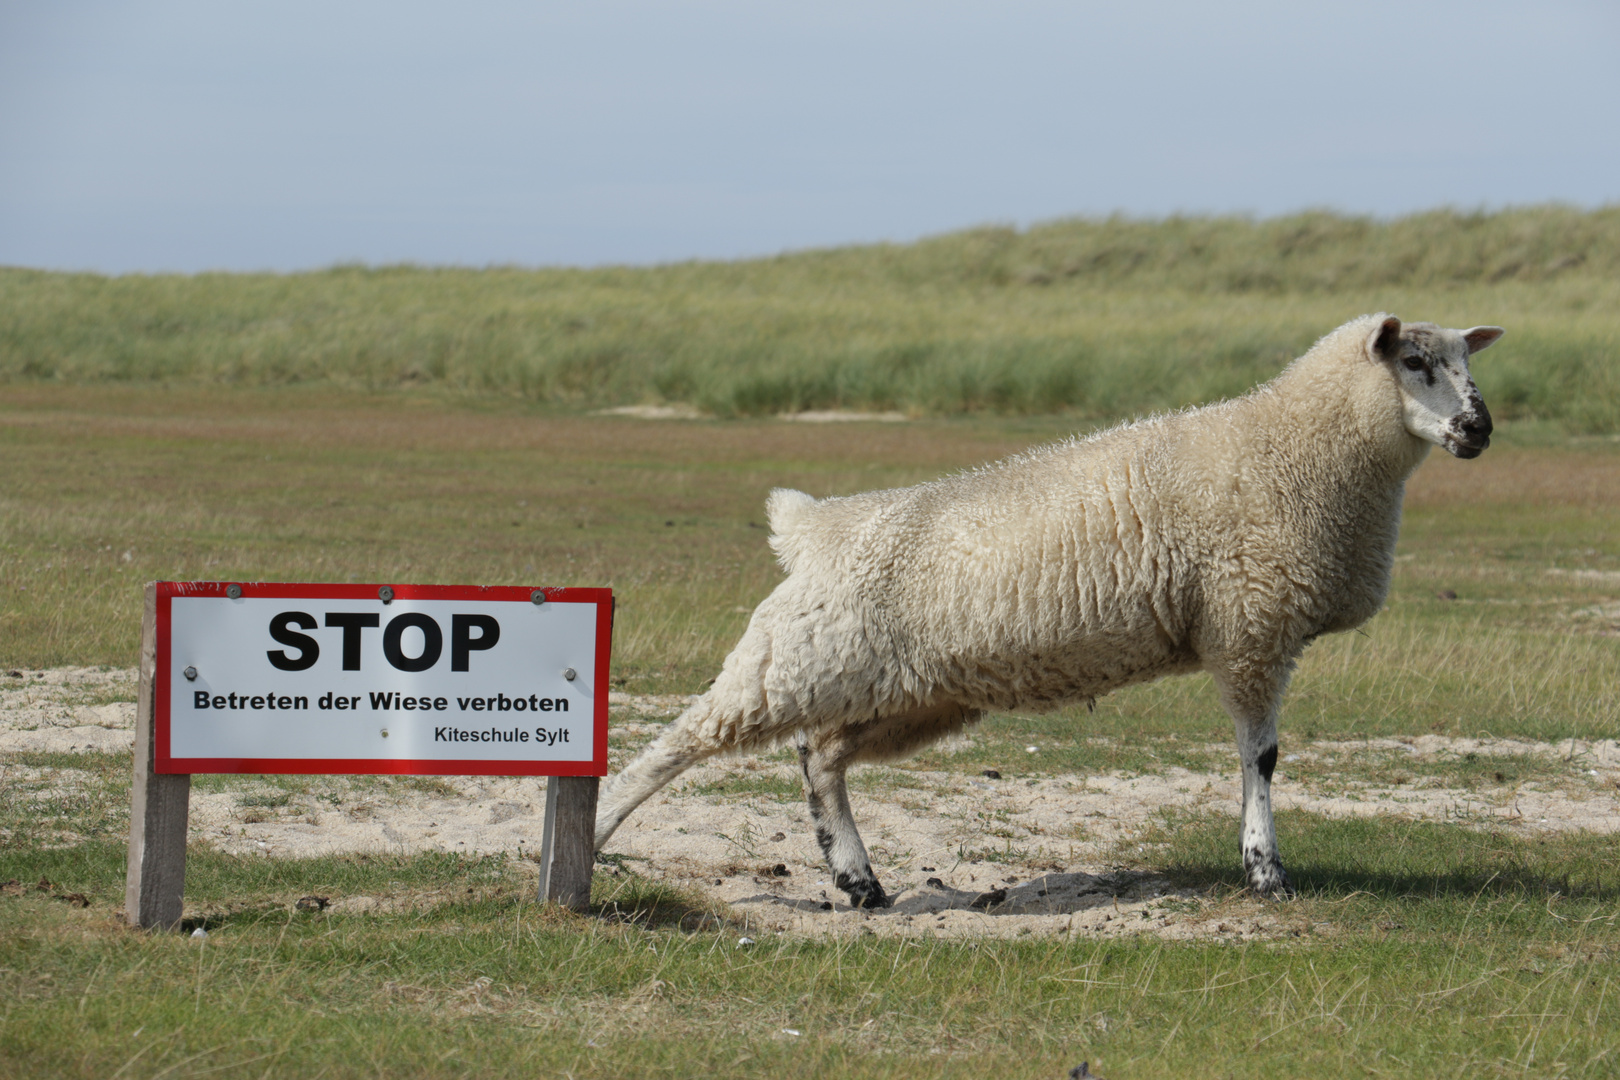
(1439, 400)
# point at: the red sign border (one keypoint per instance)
(280, 590)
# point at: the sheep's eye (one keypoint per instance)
(1413, 363)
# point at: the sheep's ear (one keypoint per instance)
(1482, 337)
(1386, 339)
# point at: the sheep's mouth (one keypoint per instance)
(1467, 448)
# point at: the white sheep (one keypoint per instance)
(1221, 539)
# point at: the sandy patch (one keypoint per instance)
(1607, 577)
(838, 416)
(1599, 753)
(64, 710)
(1038, 848)
(677, 411)
(962, 855)
(683, 411)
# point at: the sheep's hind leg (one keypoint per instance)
(825, 757)
(828, 796)
(1253, 704)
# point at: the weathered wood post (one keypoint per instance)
(568, 841)
(568, 836)
(156, 879)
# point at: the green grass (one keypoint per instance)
(1092, 318)
(1409, 869)
(1414, 950)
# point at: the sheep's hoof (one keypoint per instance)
(1269, 880)
(864, 893)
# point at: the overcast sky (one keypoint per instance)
(190, 135)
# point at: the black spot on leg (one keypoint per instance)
(1267, 762)
(818, 809)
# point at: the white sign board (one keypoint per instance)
(281, 678)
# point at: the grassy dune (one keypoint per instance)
(1095, 318)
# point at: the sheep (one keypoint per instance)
(1221, 539)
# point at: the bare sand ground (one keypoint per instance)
(963, 855)
(680, 411)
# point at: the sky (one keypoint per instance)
(181, 135)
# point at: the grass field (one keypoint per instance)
(1427, 965)
(422, 425)
(1414, 949)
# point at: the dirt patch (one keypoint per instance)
(67, 710)
(837, 416)
(678, 411)
(683, 411)
(962, 855)
(945, 845)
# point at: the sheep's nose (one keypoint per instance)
(1477, 424)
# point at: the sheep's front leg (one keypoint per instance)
(1254, 710)
(1257, 746)
(840, 842)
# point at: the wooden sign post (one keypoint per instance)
(366, 679)
(158, 805)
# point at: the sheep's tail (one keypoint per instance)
(787, 510)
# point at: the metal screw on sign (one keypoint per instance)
(234, 592)
(190, 673)
(385, 733)
(538, 596)
(385, 594)
(570, 674)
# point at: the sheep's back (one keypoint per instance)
(1052, 576)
